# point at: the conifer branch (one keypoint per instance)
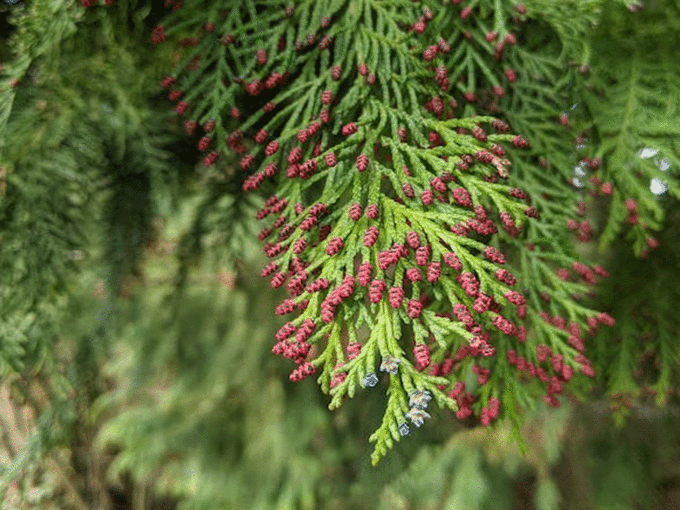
(39, 33)
(366, 164)
(634, 107)
(422, 171)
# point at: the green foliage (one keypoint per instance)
(63, 145)
(238, 416)
(39, 33)
(633, 103)
(644, 360)
(435, 181)
(376, 124)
